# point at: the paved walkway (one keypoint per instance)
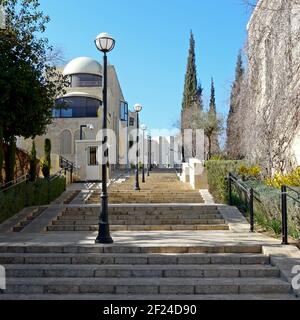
(284, 257)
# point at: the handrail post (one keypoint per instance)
(251, 209)
(230, 189)
(284, 219)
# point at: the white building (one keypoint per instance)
(81, 108)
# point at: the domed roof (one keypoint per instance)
(83, 65)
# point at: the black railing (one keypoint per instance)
(67, 165)
(284, 210)
(249, 193)
(11, 184)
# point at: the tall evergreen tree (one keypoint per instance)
(234, 121)
(192, 101)
(190, 93)
(212, 103)
(214, 141)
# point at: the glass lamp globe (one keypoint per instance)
(104, 42)
(138, 107)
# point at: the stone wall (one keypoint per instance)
(271, 92)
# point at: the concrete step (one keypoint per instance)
(249, 249)
(132, 259)
(147, 285)
(137, 216)
(133, 297)
(145, 207)
(132, 221)
(160, 227)
(142, 271)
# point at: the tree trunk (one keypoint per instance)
(10, 160)
(209, 147)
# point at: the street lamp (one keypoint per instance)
(89, 126)
(137, 108)
(150, 153)
(144, 128)
(104, 43)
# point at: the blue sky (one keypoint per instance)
(152, 40)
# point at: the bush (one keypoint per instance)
(40, 192)
(217, 173)
(290, 179)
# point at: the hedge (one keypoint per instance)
(267, 205)
(217, 172)
(40, 192)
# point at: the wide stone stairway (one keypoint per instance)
(168, 244)
(160, 187)
(141, 218)
(140, 272)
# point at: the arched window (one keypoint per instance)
(65, 142)
(77, 137)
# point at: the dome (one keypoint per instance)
(81, 94)
(83, 65)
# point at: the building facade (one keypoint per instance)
(75, 132)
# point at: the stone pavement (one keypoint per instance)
(179, 264)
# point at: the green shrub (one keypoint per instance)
(46, 163)
(217, 173)
(40, 192)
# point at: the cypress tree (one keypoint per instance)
(33, 164)
(47, 161)
(192, 100)
(233, 124)
(212, 103)
(214, 141)
(191, 92)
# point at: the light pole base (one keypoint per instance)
(103, 235)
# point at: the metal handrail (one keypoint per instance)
(249, 193)
(14, 183)
(284, 210)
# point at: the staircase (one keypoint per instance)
(141, 218)
(140, 272)
(160, 187)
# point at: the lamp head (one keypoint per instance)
(138, 107)
(143, 127)
(104, 42)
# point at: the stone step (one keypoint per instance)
(132, 221)
(147, 285)
(161, 227)
(133, 259)
(143, 201)
(142, 271)
(145, 210)
(116, 248)
(138, 216)
(133, 297)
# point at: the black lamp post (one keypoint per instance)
(143, 127)
(137, 108)
(89, 126)
(148, 158)
(150, 153)
(105, 43)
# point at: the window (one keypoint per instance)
(76, 107)
(131, 121)
(92, 161)
(124, 111)
(85, 80)
(65, 142)
(130, 144)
